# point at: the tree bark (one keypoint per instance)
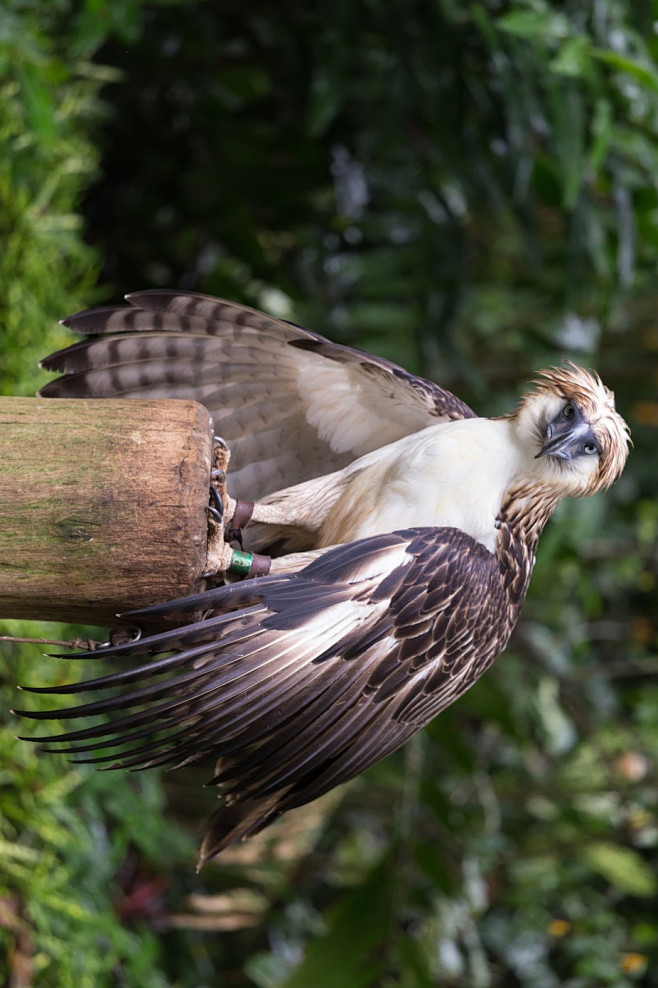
(102, 505)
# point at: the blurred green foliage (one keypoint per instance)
(469, 189)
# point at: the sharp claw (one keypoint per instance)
(117, 637)
(218, 441)
(218, 474)
(217, 515)
(218, 504)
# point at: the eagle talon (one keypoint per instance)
(217, 508)
(121, 636)
(215, 513)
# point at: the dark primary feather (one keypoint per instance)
(262, 379)
(295, 684)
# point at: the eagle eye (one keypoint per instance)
(569, 410)
(590, 449)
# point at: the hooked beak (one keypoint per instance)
(565, 438)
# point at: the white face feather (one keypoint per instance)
(582, 475)
(573, 478)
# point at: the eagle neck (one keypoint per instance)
(523, 514)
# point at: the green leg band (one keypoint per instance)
(240, 562)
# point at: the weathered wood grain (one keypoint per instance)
(102, 505)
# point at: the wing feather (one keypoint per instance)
(292, 404)
(296, 683)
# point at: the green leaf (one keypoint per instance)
(622, 867)
(642, 71)
(568, 116)
(350, 953)
(573, 58)
(39, 108)
(602, 128)
(536, 24)
(326, 96)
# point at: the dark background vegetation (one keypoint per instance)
(470, 189)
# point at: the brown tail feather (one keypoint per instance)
(236, 821)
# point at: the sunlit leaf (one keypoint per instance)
(539, 24)
(622, 867)
(644, 72)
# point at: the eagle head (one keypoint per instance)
(581, 440)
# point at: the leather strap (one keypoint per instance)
(241, 516)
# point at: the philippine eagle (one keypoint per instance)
(412, 524)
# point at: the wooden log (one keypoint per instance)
(102, 505)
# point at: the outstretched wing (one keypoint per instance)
(295, 684)
(290, 404)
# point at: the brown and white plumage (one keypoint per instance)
(290, 404)
(298, 681)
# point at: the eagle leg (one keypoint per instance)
(221, 558)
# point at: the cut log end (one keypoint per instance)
(103, 505)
